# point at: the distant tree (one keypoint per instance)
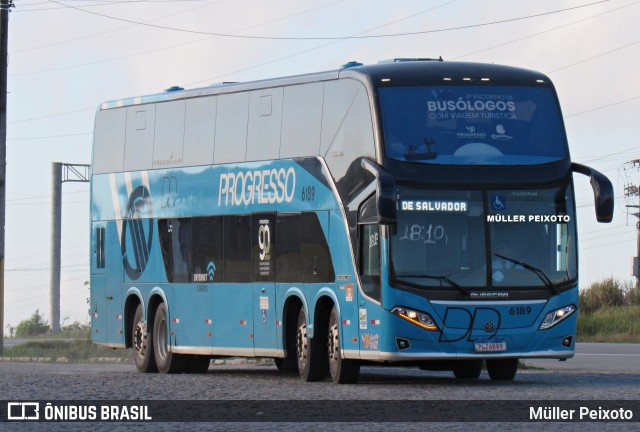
(11, 330)
(34, 325)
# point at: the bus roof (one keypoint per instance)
(398, 72)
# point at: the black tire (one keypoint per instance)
(502, 369)
(313, 363)
(467, 369)
(141, 342)
(286, 364)
(342, 371)
(166, 361)
(197, 364)
(290, 362)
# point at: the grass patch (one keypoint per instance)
(63, 334)
(610, 324)
(76, 351)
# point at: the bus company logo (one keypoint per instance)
(478, 323)
(137, 233)
(257, 187)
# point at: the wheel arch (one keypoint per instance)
(324, 303)
(133, 300)
(294, 300)
(156, 297)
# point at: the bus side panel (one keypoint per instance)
(264, 319)
(233, 319)
(191, 315)
(347, 292)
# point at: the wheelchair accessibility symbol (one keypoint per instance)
(498, 202)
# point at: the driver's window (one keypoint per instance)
(370, 260)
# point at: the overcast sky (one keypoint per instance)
(67, 57)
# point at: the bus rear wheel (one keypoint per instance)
(167, 361)
(502, 369)
(311, 352)
(343, 371)
(143, 354)
(467, 369)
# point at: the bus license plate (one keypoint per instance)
(491, 346)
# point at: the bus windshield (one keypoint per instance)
(482, 125)
(441, 238)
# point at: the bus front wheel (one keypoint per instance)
(311, 352)
(467, 369)
(167, 361)
(502, 369)
(141, 338)
(343, 371)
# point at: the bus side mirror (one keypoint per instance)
(602, 191)
(384, 209)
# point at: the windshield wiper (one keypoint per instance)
(441, 278)
(543, 277)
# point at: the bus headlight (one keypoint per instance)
(557, 316)
(421, 319)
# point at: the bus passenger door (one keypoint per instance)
(98, 301)
(263, 286)
(106, 286)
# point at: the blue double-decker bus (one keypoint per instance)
(414, 212)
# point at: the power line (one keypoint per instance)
(602, 107)
(49, 136)
(101, 4)
(46, 203)
(594, 158)
(177, 45)
(229, 35)
(609, 244)
(52, 115)
(115, 30)
(593, 57)
(46, 196)
(320, 46)
(543, 32)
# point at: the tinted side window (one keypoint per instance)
(175, 243)
(206, 258)
(100, 242)
(237, 249)
(303, 253)
(166, 240)
(288, 261)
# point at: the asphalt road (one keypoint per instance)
(597, 357)
(599, 374)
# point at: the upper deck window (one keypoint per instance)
(482, 125)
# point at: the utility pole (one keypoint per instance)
(5, 5)
(60, 173)
(632, 191)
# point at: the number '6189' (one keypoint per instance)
(308, 193)
(521, 310)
